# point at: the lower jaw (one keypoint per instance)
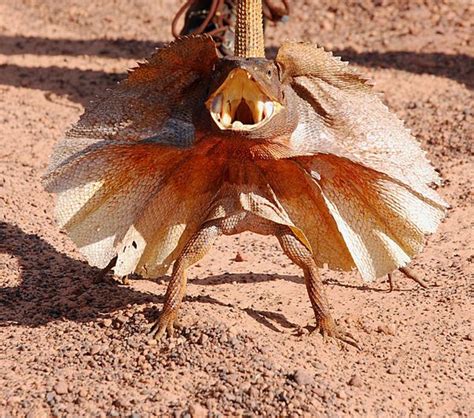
(238, 126)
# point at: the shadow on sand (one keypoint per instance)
(82, 86)
(52, 286)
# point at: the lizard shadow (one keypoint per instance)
(107, 48)
(231, 278)
(83, 85)
(367, 288)
(51, 286)
(78, 85)
(458, 67)
(265, 318)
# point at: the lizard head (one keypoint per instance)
(246, 94)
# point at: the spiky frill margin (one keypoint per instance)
(355, 190)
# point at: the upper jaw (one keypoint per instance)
(239, 104)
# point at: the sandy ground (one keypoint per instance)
(73, 345)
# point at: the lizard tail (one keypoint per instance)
(249, 40)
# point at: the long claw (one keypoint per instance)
(347, 338)
(157, 331)
(412, 275)
(390, 283)
(408, 273)
(333, 334)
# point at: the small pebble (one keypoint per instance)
(61, 388)
(386, 329)
(239, 257)
(341, 394)
(253, 392)
(393, 370)
(121, 319)
(95, 349)
(198, 411)
(303, 377)
(152, 342)
(107, 322)
(50, 397)
(355, 381)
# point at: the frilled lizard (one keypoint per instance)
(191, 146)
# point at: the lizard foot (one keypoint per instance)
(165, 323)
(334, 334)
(408, 273)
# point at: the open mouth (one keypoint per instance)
(240, 104)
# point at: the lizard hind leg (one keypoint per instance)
(195, 249)
(301, 256)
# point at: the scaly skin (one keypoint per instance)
(202, 241)
(191, 146)
(249, 40)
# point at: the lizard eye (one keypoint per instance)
(269, 73)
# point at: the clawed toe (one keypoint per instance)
(409, 274)
(413, 276)
(333, 334)
(340, 338)
(346, 338)
(164, 324)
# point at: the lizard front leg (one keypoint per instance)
(301, 256)
(195, 249)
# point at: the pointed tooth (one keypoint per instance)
(226, 117)
(217, 104)
(268, 109)
(257, 108)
